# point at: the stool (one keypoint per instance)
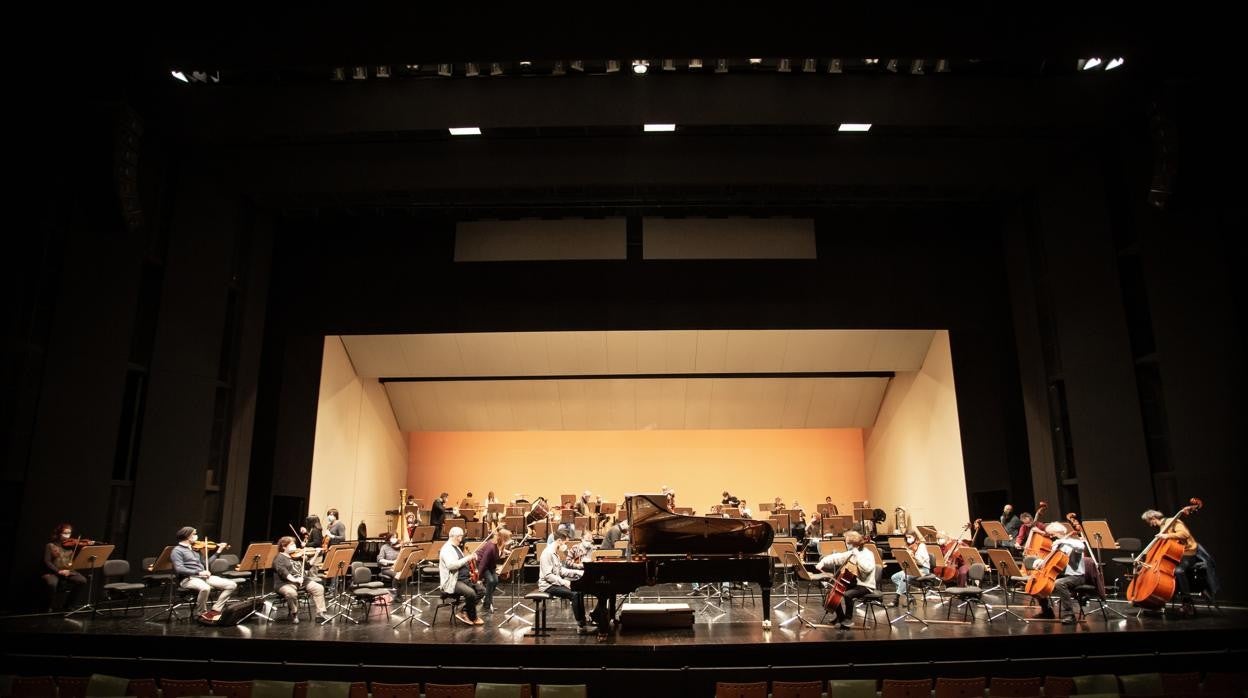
(539, 599)
(452, 600)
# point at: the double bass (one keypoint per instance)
(1038, 543)
(1153, 585)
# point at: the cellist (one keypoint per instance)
(865, 582)
(1178, 531)
(1077, 567)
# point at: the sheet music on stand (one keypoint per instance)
(256, 559)
(90, 558)
(337, 568)
(1106, 540)
(405, 566)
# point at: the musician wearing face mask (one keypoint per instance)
(58, 557)
(289, 575)
(489, 555)
(456, 577)
(865, 577)
(189, 565)
(337, 530)
(921, 557)
(387, 555)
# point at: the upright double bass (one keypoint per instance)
(1153, 585)
(1038, 543)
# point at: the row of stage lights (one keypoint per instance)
(657, 128)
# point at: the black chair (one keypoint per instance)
(970, 595)
(117, 570)
(367, 592)
(445, 600)
(1128, 546)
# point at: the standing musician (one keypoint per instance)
(1178, 531)
(489, 556)
(554, 580)
(437, 515)
(387, 555)
(831, 507)
(456, 577)
(1010, 521)
(1078, 570)
(729, 500)
(58, 558)
(193, 573)
(288, 579)
(922, 558)
(865, 582)
(491, 519)
(313, 534)
(337, 529)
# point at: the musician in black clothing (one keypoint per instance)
(437, 515)
(289, 576)
(1010, 521)
(313, 535)
(337, 529)
(729, 500)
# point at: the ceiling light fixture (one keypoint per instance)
(695, 63)
(808, 65)
(785, 65)
(613, 66)
(465, 130)
(1091, 63)
(755, 61)
(496, 69)
(854, 128)
(444, 69)
(942, 65)
(1114, 63)
(891, 65)
(471, 70)
(179, 75)
(659, 128)
(669, 64)
(916, 66)
(721, 65)
(578, 66)
(383, 71)
(557, 68)
(640, 67)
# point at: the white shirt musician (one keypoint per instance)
(864, 582)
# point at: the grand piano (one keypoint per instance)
(665, 548)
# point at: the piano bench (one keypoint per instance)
(539, 599)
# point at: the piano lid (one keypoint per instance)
(654, 529)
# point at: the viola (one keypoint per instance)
(473, 573)
(1153, 585)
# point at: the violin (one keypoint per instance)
(77, 542)
(1153, 585)
(209, 545)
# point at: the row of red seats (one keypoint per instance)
(1185, 684)
(99, 685)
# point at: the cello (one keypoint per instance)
(948, 571)
(846, 577)
(1153, 585)
(1042, 580)
(1038, 543)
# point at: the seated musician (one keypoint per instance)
(831, 507)
(489, 556)
(553, 579)
(1178, 531)
(1025, 524)
(578, 554)
(614, 535)
(799, 528)
(583, 506)
(456, 577)
(777, 505)
(1011, 522)
(671, 497)
(288, 580)
(468, 502)
(387, 555)
(745, 510)
(193, 573)
(57, 562)
(411, 522)
(729, 500)
(921, 557)
(337, 530)
(1077, 571)
(865, 582)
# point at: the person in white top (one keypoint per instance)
(745, 511)
(921, 557)
(554, 580)
(1079, 564)
(865, 582)
(456, 577)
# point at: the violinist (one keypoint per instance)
(58, 558)
(290, 575)
(456, 577)
(1078, 569)
(337, 529)
(1178, 531)
(190, 563)
(865, 582)
(387, 555)
(583, 507)
(313, 534)
(489, 555)
(921, 557)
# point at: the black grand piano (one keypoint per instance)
(665, 547)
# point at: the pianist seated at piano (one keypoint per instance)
(555, 580)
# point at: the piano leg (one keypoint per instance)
(766, 606)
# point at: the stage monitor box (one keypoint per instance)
(635, 616)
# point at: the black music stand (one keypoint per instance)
(515, 566)
(911, 569)
(90, 558)
(405, 567)
(338, 568)
(257, 559)
(1006, 569)
(164, 566)
(1097, 543)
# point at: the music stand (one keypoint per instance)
(433, 552)
(515, 524)
(927, 532)
(566, 500)
(841, 524)
(422, 534)
(494, 512)
(1006, 569)
(731, 512)
(405, 566)
(911, 569)
(514, 565)
(468, 514)
(765, 506)
(164, 565)
(258, 558)
(937, 555)
(995, 532)
(825, 510)
(541, 528)
(90, 558)
(474, 529)
(1098, 534)
(1096, 540)
(338, 568)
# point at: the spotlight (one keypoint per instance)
(659, 128)
(916, 66)
(557, 68)
(1091, 63)
(808, 65)
(785, 65)
(834, 66)
(179, 75)
(721, 65)
(669, 64)
(471, 70)
(640, 67)
(1114, 63)
(383, 71)
(613, 66)
(413, 67)
(465, 130)
(444, 69)
(695, 63)
(854, 128)
(496, 69)
(578, 66)
(337, 75)
(871, 61)
(359, 72)
(891, 65)
(525, 64)
(755, 61)
(942, 65)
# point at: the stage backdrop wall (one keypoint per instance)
(359, 460)
(914, 451)
(757, 464)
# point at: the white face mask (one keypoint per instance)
(393, 541)
(290, 548)
(194, 537)
(910, 540)
(65, 535)
(329, 518)
(941, 540)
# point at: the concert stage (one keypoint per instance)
(732, 646)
